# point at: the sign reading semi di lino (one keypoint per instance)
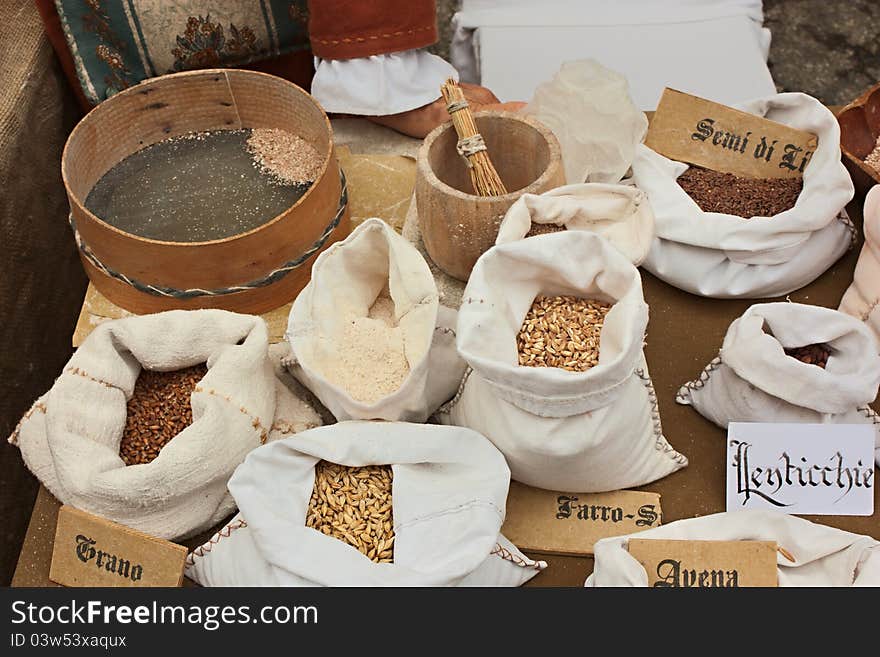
(92, 551)
(697, 131)
(570, 523)
(822, 469)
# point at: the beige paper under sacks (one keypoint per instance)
(70, 438)
(448, 498)
(620, 213)
(725, 256)
(590, 431)
(753, 380)
(863, 296)
(346, 280)
(823, 556)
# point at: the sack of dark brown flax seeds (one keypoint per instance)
(552, 329)
(790, 362)
(152, 414)
(720, 235)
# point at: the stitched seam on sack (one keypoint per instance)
(702, 380)
(446, 512)
(870, 414)
(448, 406)
(390, 35)
(255, 421)
(13, 437)
(843, 218)
(226, 532)
(660, 441)
(78, 372)
(507, 555)
(866, 314)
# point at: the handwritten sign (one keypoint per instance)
(571, 523)
(822, 469)
(697, 131)
(92, 551)
(706, 564)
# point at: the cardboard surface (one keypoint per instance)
(704, 564)
(556, 522)
(92, 551)
(698, 131)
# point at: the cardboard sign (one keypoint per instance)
(697, 131)
(706, 564)
(571, 523)
(823, 469)
(92, 551)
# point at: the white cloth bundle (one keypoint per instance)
(753, 380)
(346, 280)
(823, 556)
(449, 493)
(620, 213)
(587, 431)
(721, 255)
(863, 296)
(71, 436)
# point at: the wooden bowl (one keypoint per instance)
(458, 226)
(252, 272)
(859, 129)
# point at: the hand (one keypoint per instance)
(420, 121)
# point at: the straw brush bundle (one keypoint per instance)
(470, 142)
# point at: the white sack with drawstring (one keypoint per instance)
(620, 213)
(590, 431)
(823, 556)
(449, 494)
(70, 438)
(720, 255)
(346, 280)
(753, 380)
(862, 298)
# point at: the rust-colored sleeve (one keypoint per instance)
(343, 29)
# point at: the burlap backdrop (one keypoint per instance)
(41, 281)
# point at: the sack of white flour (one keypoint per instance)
(367, 334)
(368, 504)
(70, 439)
(587, 420)
(863, 296)
(790, 362)
(823, 556)
(723, 255)
(620, 213)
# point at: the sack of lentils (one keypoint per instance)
(620, 213)
(790, 362)
(367, 334)
(152, 414)
(863, 296)
(368, 504)
(720, 235)
(552, 330)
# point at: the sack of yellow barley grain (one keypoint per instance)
(564, 394)
(298, 526)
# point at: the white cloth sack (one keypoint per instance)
(720, 255)
(823, 556)
(346, 279)
(753, 380)
(588, 108)
(863, 296)
(620, 213)
(448, 495)
(70, 437)
(590, 431)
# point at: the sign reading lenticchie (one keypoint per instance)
(819, 469)
(570, 523)
(697, 131)
(92, 551)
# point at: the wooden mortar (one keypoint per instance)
(173, 105)
(458, 226)
(859, 129)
